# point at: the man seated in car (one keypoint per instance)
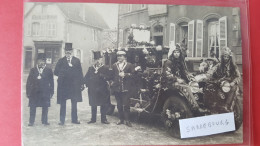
(176, 75)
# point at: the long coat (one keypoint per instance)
(39, 91)
(70, 80)
(98, 91)
(127, 83)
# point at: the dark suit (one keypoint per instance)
(39, 92)
(121, 88)
(98, 91)
(70, 81)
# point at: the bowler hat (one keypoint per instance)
(68, 46)
(97, 55)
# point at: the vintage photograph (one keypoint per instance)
(126, 74)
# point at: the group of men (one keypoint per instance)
(40, 86)
(119, 79)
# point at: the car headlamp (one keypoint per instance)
(225, 86)
(194, 86)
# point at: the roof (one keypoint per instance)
(73, 11)
(92, 17)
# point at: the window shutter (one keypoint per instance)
(199, 38)
(172, 33)
(190, 52)
(222, 32)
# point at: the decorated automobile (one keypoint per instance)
(172, 102)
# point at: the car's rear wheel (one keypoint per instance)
(174, 109)
(238, 115)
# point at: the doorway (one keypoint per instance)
(28, 59)
(158, 40)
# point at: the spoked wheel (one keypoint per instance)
(174, 109)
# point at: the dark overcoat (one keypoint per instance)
(70, 80)
(39, 91)
(128, 81)
(98, 91)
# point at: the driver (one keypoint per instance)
(175, 74)
(226, 70)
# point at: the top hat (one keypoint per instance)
(68, 46)
(41, 56)
(97, 55)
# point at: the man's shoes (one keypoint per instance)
(46, 124)
(61, 123)
(76, 122)
(105, 122)
(120, 122)
(91, 121)
(128, 124)
(30, 124)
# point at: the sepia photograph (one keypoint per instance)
(131, 74)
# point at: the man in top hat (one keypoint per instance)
(70, 83)
(96, 80)
(39, 89)
(122, 83)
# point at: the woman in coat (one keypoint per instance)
(39, 89)
(98, 92)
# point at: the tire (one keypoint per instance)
(238, 115)
(110, 109)
(175, 104)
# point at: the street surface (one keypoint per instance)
(146, 130)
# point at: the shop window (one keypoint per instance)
(35, 28)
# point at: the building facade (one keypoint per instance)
(202, 29)
(48, 26)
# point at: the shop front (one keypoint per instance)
(52, 49)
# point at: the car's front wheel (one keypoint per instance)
(174, 109)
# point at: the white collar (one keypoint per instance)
(40, 71)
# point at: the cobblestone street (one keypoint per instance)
(142, 132)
